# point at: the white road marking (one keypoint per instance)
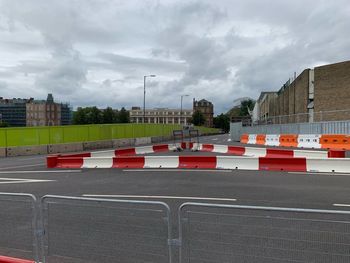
(38, 172)
(318, 173)
(22, 181)
(344, 205)
(22, 166)
(163, 197)
(214, 139)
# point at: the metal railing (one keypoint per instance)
(232, 233)
(321, 116)
(19, 226)
(74, 230)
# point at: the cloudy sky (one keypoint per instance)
(96, 52)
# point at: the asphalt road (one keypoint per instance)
(70, 223)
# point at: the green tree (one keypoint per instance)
(244, 107)
(94, 115)
(198, 118)
(123, 116)
(108, 115)
(222, 122)
(4, 124)
(79, 116)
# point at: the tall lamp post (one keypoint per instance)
(144, 95)
(181, 106)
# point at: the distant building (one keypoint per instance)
(13, 111)
(161, 115)
(30, 112)
(207, 109)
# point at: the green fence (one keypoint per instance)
(83, 133)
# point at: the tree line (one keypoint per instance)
(93, 115)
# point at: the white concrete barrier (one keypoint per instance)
(99, 162)
(311, 154)
(337, 165)
(220, 148)
(309, 141)
(255, 152)
(109, 153)
(237, 162)
(272, 140)
(161, 162)
(144, 150)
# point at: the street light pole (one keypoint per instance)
(181, 106)
(144, 96)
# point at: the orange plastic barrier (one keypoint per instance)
(289, 140)
(335, 141)
(261, 139)
(244, 138)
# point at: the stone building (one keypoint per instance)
(207, 109)
(319, 94)
(161, 115)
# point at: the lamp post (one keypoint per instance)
(144, 95)
(181, 106)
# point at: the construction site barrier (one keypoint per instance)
(315, 141)
(335, 141)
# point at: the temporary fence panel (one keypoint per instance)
(334, 127)
(231, 233)
(18, 226)
(105, 230)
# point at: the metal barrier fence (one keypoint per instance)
(105, 230)
(334, 127)
(76, 230)
(19, 226)
(232, 233)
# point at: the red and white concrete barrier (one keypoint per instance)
(4, 259)
(296, 164)
(266, 152)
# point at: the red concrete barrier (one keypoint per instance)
(207, 147)
(4, 259)
(161, 148)
(71, 162)
(282, 164)
(336, 154)
(128, 162)
(279, 153)
(236, 150)
(201, 162)
(121, 152)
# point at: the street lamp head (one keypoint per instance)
(152, 76)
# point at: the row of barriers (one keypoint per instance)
(316, 141)
(75, 230)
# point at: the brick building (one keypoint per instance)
(207, 109)
(319, 94)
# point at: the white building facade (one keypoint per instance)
(161, 115)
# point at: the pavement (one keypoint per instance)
(172, 186)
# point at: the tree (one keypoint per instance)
(198, 118)
(123, 116)
(79, 116)
(108, 115)
(222, 122)
(244, 107)
(94, 115)
(4, 124)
